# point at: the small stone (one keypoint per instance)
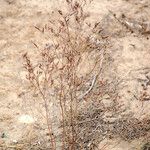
(3, 135)
(15, 141)
(26, 119)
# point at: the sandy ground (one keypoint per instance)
(130, 54)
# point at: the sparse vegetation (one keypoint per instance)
(76, 104)
(79, 98)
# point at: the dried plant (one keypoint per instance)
(56, 75)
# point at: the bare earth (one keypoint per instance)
(130, 54)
